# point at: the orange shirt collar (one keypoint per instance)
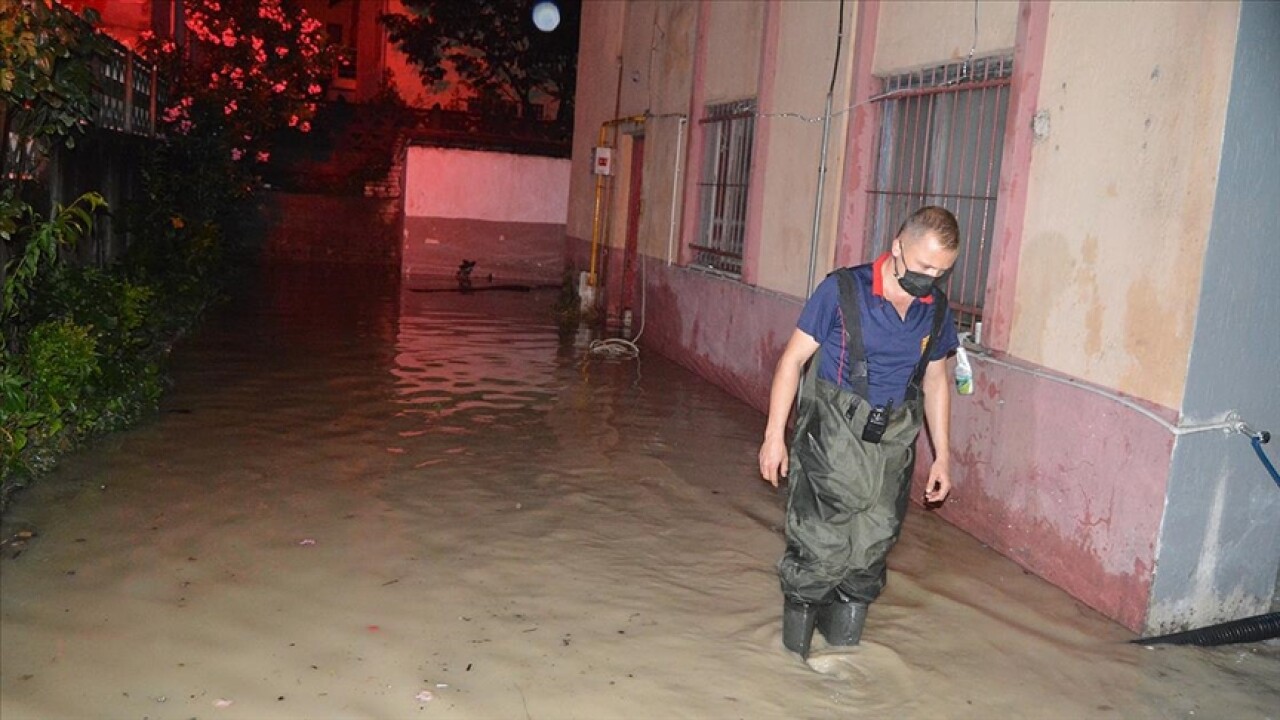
(877, 280)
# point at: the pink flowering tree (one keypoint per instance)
(247, 71)
(249, 68)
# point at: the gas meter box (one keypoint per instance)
(603, 161)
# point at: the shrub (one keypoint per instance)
(43, 398)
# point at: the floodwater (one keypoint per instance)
(358, 502)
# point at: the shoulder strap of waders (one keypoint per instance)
(939, 314)
(850, 312)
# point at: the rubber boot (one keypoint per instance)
(798, 619)
(841, 622)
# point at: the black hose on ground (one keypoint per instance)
(1254, 629)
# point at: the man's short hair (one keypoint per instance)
(936, 220)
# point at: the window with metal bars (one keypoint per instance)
(941, 138)
(728, 130)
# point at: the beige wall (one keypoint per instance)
(593, 103)
(1121, 191)
(671, 82)
(660, 80)
(656, 78)
(633, 82)
(734, 30)
(657, 53)
(912, 35)
(805, 56)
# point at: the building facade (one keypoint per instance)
(1117, 217)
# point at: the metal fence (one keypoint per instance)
(105, 159)
(124, 90)
(124, 94)
(729, 131)
(941, 139)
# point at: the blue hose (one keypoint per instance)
(1266, 462)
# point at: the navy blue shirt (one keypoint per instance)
(893, 344)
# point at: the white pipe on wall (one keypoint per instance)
(1231, 422)
(675, 189)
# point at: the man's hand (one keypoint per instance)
(773, 460)
(939, 485)
(786, 378)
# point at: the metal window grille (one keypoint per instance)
(941, 138)
(728, 131)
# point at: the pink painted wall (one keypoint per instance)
(446, 183)
(506, 212)
(1067, 483)
(720, 329)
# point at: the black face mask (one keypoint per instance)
(916, 284)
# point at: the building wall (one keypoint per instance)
(1121, 191)
(657, 81)
(712, 325)
(1038, 484)
(594, 103)
(797, 75)
(912, 35)
(505, 212)
(646, 72)
(1219, 550)
(734, 31)
(1056, 461)
(1067, 481)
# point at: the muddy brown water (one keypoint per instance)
(364, 502)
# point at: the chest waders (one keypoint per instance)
(847, 492)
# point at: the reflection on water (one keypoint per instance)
(450, 361)
(356, 494)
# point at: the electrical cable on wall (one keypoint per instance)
(822, 156)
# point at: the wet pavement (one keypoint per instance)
(360, 501)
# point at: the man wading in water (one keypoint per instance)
(884, 331)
